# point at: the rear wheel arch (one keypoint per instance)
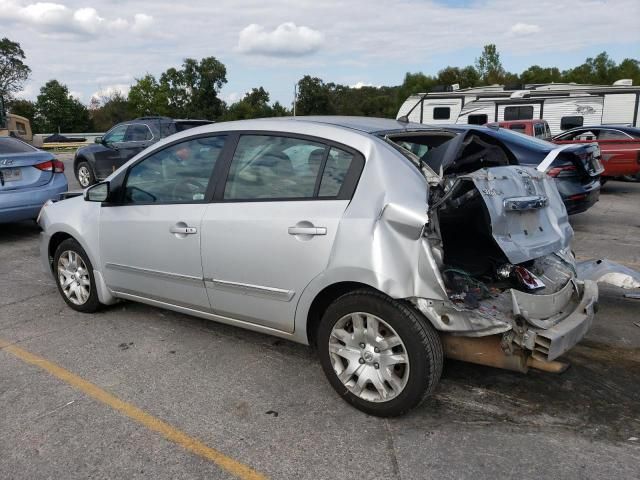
(325, 298)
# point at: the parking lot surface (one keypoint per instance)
(263, 405)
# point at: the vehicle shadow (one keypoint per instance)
(10, 232)
(597, 397)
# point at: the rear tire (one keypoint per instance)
(84, 175)
(73, 273)
(378, 353)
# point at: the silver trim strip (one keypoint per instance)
(154, 273)
(248, 289)
(204, 314)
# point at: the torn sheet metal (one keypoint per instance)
(606, 271)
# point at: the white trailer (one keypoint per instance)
(562, 105)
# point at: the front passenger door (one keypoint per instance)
(150, 242)
(109, 155)
(137, 137)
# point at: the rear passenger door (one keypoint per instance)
(137, 137)
(271, 227)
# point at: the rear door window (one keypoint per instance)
(612, 135)
(138, 132)
(335, 172)
(274, 167)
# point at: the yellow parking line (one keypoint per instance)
(152, 423)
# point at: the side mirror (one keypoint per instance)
(97, 193)
(97, 140)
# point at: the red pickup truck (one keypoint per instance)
(619, 147)
(534, 128)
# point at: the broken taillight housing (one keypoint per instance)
(565, 171)
(55, 166)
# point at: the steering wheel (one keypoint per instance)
(187, 188)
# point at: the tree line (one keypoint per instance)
(193, 91)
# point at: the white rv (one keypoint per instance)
(562, 105)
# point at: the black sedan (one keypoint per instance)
(576, 168)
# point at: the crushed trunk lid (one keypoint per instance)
(528, 219)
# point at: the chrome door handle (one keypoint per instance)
(184, 230)
(307, 230)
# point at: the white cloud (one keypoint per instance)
(524, 29)
(232, 97)
(48, 17)
(286, 40)
(110, 90)
(359, 85)
(141, 22)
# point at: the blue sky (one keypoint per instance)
(101, 46)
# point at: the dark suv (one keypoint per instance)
(125, 140)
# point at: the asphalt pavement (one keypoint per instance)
(204, 400)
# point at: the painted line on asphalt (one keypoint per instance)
(172, 434)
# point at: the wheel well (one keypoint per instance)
(322, 302)
(78, 160)
(56, 239)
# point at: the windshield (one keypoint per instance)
(12, 145)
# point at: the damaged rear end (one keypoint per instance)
(499, 236)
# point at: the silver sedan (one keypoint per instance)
(386, 245)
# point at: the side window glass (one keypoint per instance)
(586, 135)
(272, 167)
(538, 130)
(441, 113)
(335, 172)
(176, 174)
(612, 135)
(116, 134)
(137, 133)
(477, 119)
(524, 112)
(567, 123)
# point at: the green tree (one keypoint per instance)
(109, 110)
(24, 108)
(13, 71)
(193, 90)
(489, 66)
(314, 97)
(464, 77)
(537, 74)
(628, 68)
(255, 104)
(600, 69)
(56, 110)
(148, 97)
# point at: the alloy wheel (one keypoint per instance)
(369, 357)
(84, 176)
(73, 277)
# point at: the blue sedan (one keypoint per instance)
(28, 178)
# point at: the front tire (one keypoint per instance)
(84, 175)
(73, 272)
(379, 354)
